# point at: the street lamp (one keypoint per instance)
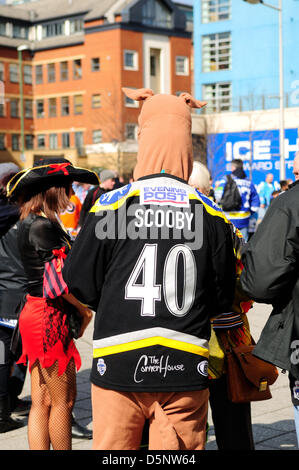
(20, 49)
(281, 97)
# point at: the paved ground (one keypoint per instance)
(273, 423)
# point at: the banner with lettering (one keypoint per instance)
(259, 151)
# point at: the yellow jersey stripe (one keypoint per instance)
(145, 343)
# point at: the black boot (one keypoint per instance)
(6, 422)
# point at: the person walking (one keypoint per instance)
(232, 421)
(154, 280)
(12, 290)
(107, 182)
(42, 192)
(249, 200)
(270, 276)
(265, 191)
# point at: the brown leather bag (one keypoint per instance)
(248, 377)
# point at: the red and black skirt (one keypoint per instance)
(45, 334)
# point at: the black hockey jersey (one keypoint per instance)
(155, 261)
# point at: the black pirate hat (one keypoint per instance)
(47, 173)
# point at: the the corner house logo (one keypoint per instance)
(161, 365)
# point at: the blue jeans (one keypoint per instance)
(244, 232)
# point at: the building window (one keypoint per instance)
(130, 60)
(97, 136)
(13, 73)
(64, 72)
(2, 142)
(28, 74)
(76, 25)
(40, 111)
(51, 73)
(14, 107)
(79, 142)
(28, 141)
(216, 52)
(53, 143)
(15, 142)
(3, 28)
(95, 64)
(129, 103)
(38, 74)
(53, 29)
(65, 106)
(41, 141)
(77, 69)
(2, 78)
(96, 101)
(28, 109)
(181, 65)
(131, 131)
(52, 107)
(218, 96)
(20, 32)
(65, 140)
(154, 13)
(2, 109)
(78, 104)
(216, 10)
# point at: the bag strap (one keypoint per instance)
(224, 341)
(226, 345)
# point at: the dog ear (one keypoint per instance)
(139, 94)
(192, 102)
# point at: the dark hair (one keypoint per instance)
(237, 162)
(51, 202)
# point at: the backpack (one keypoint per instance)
(231, 199)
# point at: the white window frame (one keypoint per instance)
(27, 74)
(13, 73)
(40, 137)
(131, 124)
(214, 12)
(213, 46)
(215, 97)
(129, 103)
(53, 141)
(185, 72)
(135, 60)
(97, 136)
(95, 100)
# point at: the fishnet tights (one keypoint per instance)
(50, 417)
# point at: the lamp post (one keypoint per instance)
(281, 88)
(20, 49)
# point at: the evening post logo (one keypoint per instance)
(169, 216)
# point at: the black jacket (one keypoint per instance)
(13, 281)
(271, 275)
(155, 280)
(90, 199)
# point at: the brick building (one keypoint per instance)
(75, 56)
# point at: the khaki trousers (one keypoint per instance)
(177, 420)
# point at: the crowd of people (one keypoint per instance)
(168, 266)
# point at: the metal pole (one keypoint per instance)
(21, 104)
(281, 99)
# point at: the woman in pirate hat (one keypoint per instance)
(42, 193)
